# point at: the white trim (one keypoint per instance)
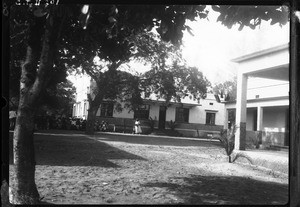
(261, 53)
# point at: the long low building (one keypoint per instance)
(191, 118)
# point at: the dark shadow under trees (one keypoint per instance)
(73, 150)
(227, 190)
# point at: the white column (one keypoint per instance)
(259, 118)
(241, 112)
(226, 119)
(259, 124)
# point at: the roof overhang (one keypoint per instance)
(163, 103)
(278, 73)
(261, 99)
(261, 53)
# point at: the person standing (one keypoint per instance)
(137, 126)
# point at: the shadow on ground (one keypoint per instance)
(220, 190)
(155, 140)
(73, 150)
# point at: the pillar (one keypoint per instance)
(241, 109)
(259, 118)
(226, 119)
(259, 124)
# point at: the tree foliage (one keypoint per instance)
(56, 36)
(251, 16)
(169, 77)
(119, 87)
(175, 82)
(226, 90)
(58, 99)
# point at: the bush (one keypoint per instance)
(227, 139)
(151, 124)
(172, 124)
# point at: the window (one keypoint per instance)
(84, 109)
(182, 115)
(107, 109)
(142, 112)
(210, 118)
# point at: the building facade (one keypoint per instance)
(262, 106)
(191, 118)
(80, 107)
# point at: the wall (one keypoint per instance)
(274, 119)
(250, 119)
(125, 113)
(171, 113)
(197, 115)
(197, 118)
(154, 111)
(266, 88)
(274, 127)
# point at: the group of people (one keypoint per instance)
(103, 126)
(71, 123)
(51, 122)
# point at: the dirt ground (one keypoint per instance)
(75, 168)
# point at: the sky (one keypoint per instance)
(213, 45)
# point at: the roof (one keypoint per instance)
(261, 99)
(261, 53)
(172, 103)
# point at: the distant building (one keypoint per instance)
(82, 84)
(192, 118)
(262, 106)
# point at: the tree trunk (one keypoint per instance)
(25, 191)
(94, 105)
(90, 123)
(24, 161)
(229, 159)
(34, 78)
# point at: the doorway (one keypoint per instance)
(162, 117)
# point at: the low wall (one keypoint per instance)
(123, 124)
(252, 140)
(186, 129)
(275, 138)
(267, 139)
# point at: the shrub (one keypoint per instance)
(227, 139)
(172, 124)
(151, 124)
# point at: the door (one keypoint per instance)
(162, 117)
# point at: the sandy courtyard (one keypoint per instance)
(75, 168)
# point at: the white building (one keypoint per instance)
(82, 84)
(192, 118)
(262, 106)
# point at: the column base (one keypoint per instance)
(240, 137)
